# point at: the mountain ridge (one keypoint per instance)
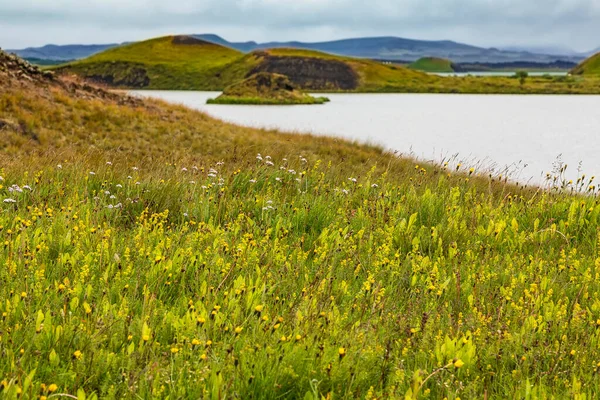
(379, 48)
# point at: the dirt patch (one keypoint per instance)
(310, 73)
(189, 40)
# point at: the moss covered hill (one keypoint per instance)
(432, 64)
(172, 62)
(149, 251)
(591, 66)
(265, 88)
(182, 62)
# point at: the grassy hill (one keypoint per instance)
(172, 62)
(432, 64)
(184, 63)
(591, 66)
(150, 251)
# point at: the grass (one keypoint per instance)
(432, 64)
(591, 66)
(267, 102)
(161, 64)
(151, 251)
(167, 64)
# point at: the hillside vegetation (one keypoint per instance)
(266, 89)
(432, 64)
(186, 63)
(150, 251)
(172, 62)
(591, 66)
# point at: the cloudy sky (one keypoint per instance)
(540, 23)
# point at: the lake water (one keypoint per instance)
(499, 73)
(524, 134)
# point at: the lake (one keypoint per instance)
(499, 73)
(523, 135)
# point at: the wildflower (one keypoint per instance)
(342, 352)
(27, 187)
(135, 168)
(258, 308)
(184, 169)
(220, 163)
(238, 330)
(195, 342)
(106, 192)
(23, 295)
(92, 173)
(252, 181)
(77, 354)
(10, 201)
(200, 320)
(146, 338)
(268, 157)
(174, 350)
(345, 191)
(572, 353)
(269, 163)
(59, 166)
(52, 388)
(298, 338)
(352, 180)
(203, 357)
(374, 186)
(259, 157)
(458, 363)
(278, 179)
(129, 177)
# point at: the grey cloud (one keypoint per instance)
(484, 22)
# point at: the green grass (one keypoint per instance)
(432, 64)
(150, 251)
(267, 102)
(591, 66)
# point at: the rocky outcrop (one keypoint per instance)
(310, 73)
(18, 73)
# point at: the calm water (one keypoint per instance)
(524, 134)
(499, 73)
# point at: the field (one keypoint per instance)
(184, 63)
(150, 251)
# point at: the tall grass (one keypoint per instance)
(153, 252)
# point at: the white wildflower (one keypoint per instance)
(269, 163)
(345, 191)
(130, 177)
(137, 183)
(268, 157)
(185, 215)
(108, 163)
(110, 206)
(59, 166)
(252, 180)
(135, 168)
(10, 201)
(220, 163)
(192, 182)
(278, 179)
(291, 171)
(184, 169)
(119, 185)
(112, 196)
(92, 173)
(106, 192)
(374, 186)
(352, 180)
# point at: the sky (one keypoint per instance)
(572, 24)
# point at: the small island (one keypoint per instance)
(266, 89)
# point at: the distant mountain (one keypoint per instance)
(380, 48)
(62, 53)
(396, 49)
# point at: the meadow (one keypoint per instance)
(150, 251)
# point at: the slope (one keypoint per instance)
(172, 62)
(148, 251)
(590, 66)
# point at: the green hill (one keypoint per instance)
(432, 64)
(591, 66)
(172, 62)
(182, 62)
(186, 63)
